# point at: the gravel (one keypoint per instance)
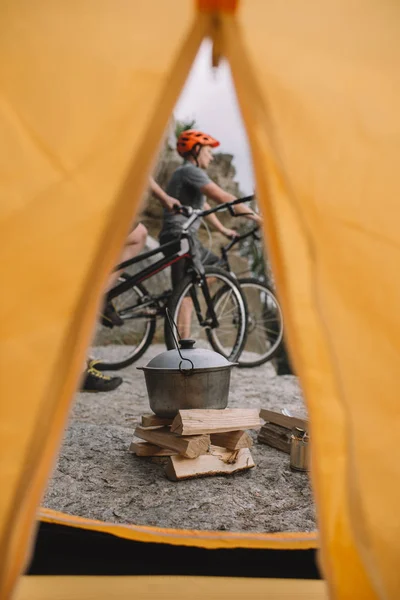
(96, 476)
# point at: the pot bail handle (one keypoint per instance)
(172, 324)
(186, 371)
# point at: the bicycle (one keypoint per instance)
(139, 309)
(265, 319)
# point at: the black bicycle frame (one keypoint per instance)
(152, 269)
(236, 240)
(185, 251)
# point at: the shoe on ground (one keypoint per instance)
(94, 381)
(110, 317)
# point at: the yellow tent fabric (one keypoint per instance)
(212, 540)
(86, 91)
(154, 588)
(325, 139)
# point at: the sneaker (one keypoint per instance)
(94, 381)
(110, 317)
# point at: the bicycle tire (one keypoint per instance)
(136, 351)
(239, 306)
(257, 323)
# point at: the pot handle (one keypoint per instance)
(172, 325)
(185, 371)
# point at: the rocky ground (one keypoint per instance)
(97, 477)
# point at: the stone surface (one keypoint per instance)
(97, 477)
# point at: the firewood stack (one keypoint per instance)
(277, 430)
(199, 442)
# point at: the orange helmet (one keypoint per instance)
(190, 138)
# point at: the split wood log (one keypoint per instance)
(154, 421)
(233, 440)
(217, 463)
(275, 436)
(198, 421)
(146, 449)
(190, 447)
(278, 419)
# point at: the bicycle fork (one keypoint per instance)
(210, 321)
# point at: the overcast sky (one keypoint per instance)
(209, 97)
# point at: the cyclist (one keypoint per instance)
(93, 379)
(190, 184)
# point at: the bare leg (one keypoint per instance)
(135, 242)
(186, 310)
(184, 317)
(93, 379)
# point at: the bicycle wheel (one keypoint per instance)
(264, 323)
(119, 347)
(231, 314)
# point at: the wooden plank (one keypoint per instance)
(219, 462)
(233, 440)
(154, 421)
(278, 419)
(275, 436)
(146, 449)
(198, 421)
(188, 447)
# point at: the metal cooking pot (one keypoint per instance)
(187, 378)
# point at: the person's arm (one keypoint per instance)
(216, 223)
(214, 192)
(167, 201)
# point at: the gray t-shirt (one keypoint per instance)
(185, 185)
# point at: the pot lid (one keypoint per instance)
(199, 357)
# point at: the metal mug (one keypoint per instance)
(299, 450)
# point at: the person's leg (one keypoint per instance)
(208, 258)
(134, 244)
(186, 310)
(92, 379)
(178, 272)
(185, 318)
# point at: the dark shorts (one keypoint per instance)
(179, 269)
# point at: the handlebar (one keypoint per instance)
(194, 214)
(230, 205)
(238, 238)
